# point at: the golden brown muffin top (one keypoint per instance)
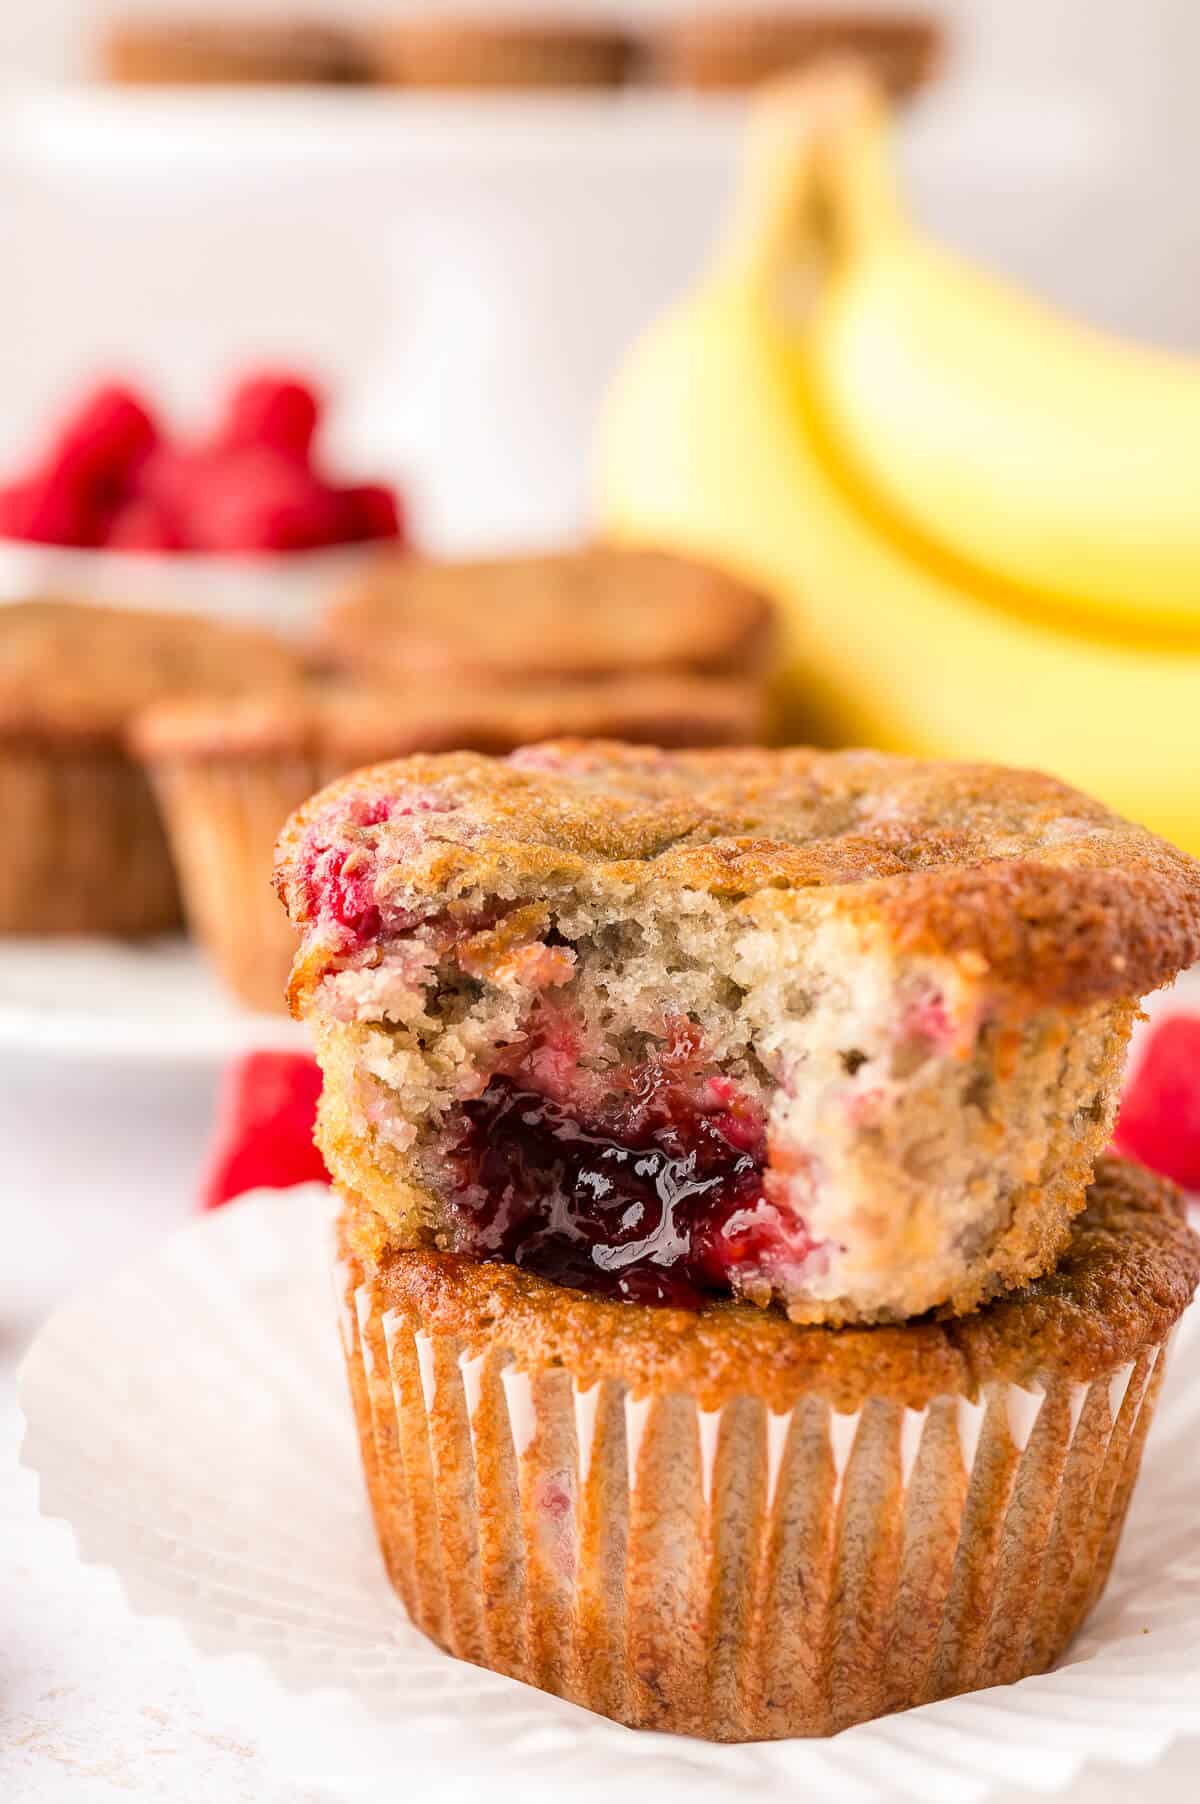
(349, 724)
(1129, 1272)
(75, 670)
(1034, 888)
(602, 611)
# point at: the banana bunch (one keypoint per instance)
(982, 521)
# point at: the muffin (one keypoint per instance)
(739, 50)
(837, 1031)
(600, 612)
(719, 1523)
(480, 52)
(86, 849)
(141, 50)
(683, 1105)
(229, 770)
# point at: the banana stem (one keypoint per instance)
(816, 178)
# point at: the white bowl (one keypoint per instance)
(282, 590)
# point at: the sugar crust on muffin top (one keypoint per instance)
(837, 1031)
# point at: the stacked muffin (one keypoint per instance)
(743, 1336)
(424, 656)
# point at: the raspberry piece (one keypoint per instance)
(927, 1018)
(274, 409)
(1159, 1121)
(166, 482)
(105, 439)
(264, 1132)
(171, 473)
(370, 510)
(49, 509)
(141, 525)
(256, 499)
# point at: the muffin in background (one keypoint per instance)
(85, 849)
(229, 771)
(220, 51)
(603, 611)
(734, 50)
(474, 51)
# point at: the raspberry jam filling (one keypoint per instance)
(658, 1203)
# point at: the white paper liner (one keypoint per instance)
(223, 817)
(190, 1420)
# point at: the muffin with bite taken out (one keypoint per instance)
(743, 1337)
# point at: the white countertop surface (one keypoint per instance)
(98, 1706)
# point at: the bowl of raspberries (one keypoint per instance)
(246, 521)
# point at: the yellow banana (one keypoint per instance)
(1043, 453)
(713, 441)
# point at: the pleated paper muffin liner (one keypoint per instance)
(223, 817)
(85, 851)
(189, 1419)
(736, 1573)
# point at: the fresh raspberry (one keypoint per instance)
(169, 479)
(1159, 1121)
(141, 525)
(49, 509)
(276, 410)
(256, 499)
(105, 439)
(264, 1132)
(370, 510)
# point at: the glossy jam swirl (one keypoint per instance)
(658, 1203)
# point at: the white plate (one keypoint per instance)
(112, 999)
(190, 1420)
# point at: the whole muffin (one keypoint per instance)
(833, 1030)
(571, 616)
(739, 49)
(230, 50)
(722, 1524)
(229, 770)
(478, 51)
(86, 852)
